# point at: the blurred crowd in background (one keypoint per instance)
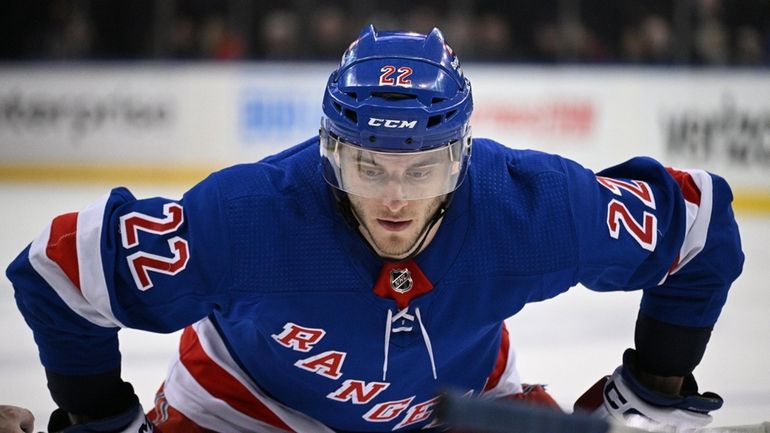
(658, 32)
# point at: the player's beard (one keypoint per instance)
(395, 244)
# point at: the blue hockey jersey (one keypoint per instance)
(289, 326)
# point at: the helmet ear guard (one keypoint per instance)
(396, 93)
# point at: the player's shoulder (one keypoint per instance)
(513, 177)
(525, 196)
(283, 175)
(489, 154)
(284, 188)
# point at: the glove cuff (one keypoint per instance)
(132, 420)
(690, 399)
(96, 396)
(665, 349)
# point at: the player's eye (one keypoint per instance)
(369, 172)
(419, 174)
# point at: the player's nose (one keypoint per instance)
(393, 196)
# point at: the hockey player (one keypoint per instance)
(342, 284)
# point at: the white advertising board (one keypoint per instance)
(717, 120)
(217, 114)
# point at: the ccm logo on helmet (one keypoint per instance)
(392, 123)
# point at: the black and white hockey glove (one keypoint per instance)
(623, 398)
(131, 421)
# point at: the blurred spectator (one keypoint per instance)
(570, 41)
(748, 47)
(219, 41)
(580, 44)
(649, 42)
(183, 43)
(70, 35)
(632, 46)
(459, 29)
(330, 33)
(711, 43)
(492, 38)
(710, 38)
(657, 40)
(548, 46)
(280, 35)
(605, 22)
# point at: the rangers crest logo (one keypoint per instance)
(401, 280)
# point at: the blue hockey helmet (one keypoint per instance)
(397, 107)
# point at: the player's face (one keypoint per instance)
(392, 220)
(393, 227)
(394, 195)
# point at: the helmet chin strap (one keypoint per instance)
(351, 219)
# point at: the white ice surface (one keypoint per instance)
(566, 343)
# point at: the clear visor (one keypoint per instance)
(389, 175)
